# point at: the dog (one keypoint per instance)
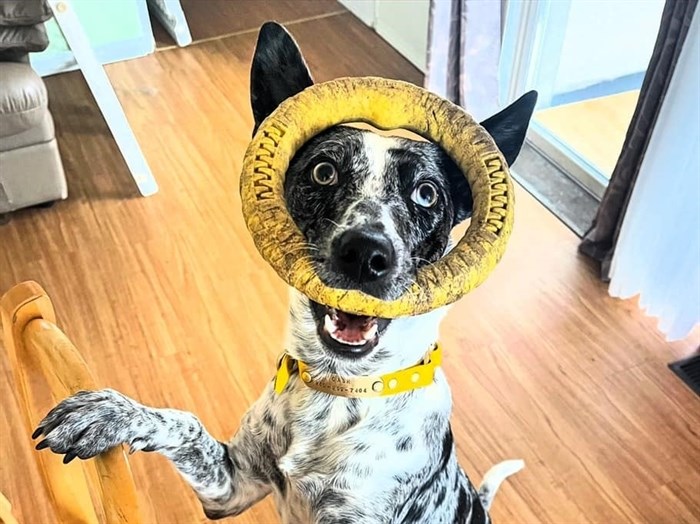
(374, 209)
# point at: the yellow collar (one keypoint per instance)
(408, 379)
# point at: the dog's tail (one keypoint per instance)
(495, 477)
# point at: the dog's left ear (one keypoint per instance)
(509, 126)
(278, 71)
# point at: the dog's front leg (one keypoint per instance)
(225, 477)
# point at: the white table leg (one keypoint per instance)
(172, 17)
(104, 95)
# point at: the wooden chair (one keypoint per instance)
(6, 516)
(43, 359)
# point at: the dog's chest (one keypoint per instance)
(345, 476)
(346, 460)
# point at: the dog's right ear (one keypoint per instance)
(278, 71)
(509, 127)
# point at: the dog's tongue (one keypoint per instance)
(350, 329)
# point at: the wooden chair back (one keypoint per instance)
(6, 515)
(45, 362)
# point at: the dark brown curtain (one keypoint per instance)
(599, 242)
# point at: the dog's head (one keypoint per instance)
(374, 209)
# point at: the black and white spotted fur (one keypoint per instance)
(328, 459)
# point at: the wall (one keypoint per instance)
(402, 23)
(603, 40)
(362, 9)
(606, 40)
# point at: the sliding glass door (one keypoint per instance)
(587, 59)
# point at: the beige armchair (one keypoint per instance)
(30, 164)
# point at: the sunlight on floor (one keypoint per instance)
(594, 128)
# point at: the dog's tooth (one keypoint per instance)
(328, 324)
(371, 332)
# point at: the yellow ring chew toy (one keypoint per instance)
(386, 104)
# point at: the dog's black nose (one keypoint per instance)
(364, 255)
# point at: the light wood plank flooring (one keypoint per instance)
(170, 303)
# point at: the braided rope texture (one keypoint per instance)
(385, 104)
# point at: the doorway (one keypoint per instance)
(587, 60)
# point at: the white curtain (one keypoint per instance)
(658, 251)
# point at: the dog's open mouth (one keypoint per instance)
(347, 334)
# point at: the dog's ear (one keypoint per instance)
(508, 129)
(278, 71)
(509, 126)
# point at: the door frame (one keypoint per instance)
(530, 53)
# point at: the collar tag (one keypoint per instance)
(415, 377)
(285, 368)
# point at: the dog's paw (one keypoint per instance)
(92, 422)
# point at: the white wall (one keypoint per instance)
(605, 40)
(402, 23)
(362, 9)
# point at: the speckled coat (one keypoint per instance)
(327, 459)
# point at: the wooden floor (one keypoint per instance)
(594, 128)
(170, 303)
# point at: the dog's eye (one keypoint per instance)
(425, 194)
(324, 174)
